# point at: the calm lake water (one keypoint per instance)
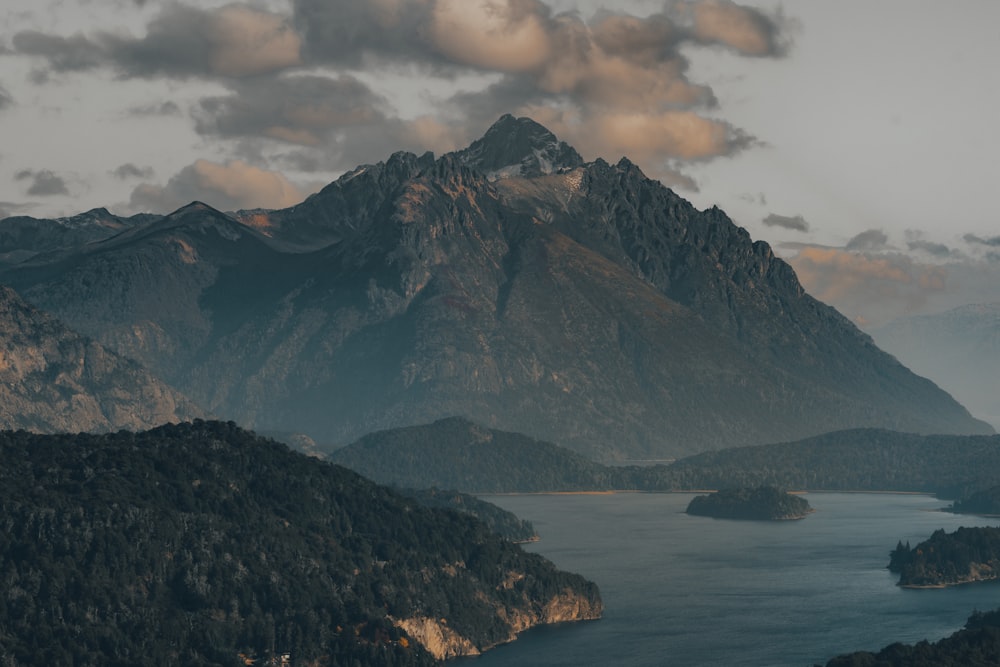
(682, 591)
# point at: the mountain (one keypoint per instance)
(53, 379)
(455, 453)
(508, 283)
(201, 544)
(958, 349)
(23, 237)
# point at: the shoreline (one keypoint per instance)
(611, 492)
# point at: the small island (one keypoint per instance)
(761, 503)
(948, 559)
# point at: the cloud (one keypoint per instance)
(129, 170)
(872, 239)
(868, 288)
(295, 109)
(992, 242)
(63, 54)
(497, 35)
(6, 100)
(168, 108)
(611, 85)
(231, 186)
(795, 223)
(44, 183)
(615, 85)
(9, 209)
(743, 29)
(929, 247)
(182, 41)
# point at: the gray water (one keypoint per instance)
(683, 591)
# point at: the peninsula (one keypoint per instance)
(948, 559)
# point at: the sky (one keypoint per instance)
(859, 139)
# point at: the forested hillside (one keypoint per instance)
(200, 543)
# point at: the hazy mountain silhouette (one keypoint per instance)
(508, 283)
(959, 349)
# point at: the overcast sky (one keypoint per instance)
(860, 139)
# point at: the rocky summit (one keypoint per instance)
(510, 283)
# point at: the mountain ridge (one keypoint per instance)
(586, 305)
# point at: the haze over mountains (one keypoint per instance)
(510, 283)
(53, 379)
(960, 348)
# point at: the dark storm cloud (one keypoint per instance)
(129, 170)
(795, 223)
(972, 239)
(44, 183)
(296, 109)
(872, 239)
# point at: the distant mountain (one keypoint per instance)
(457, 454)
(201, 544)
(53, 379)
(958, 349)
(22, 237)
(509, 283)
(853, 460)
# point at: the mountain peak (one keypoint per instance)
(518, 147)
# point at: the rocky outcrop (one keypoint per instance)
(443, 642)
(54, 380)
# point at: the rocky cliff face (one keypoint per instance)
(509, 283)
(52, 379)
(444, 643)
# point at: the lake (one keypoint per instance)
(683, 591)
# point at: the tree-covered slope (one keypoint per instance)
(196, 543)
(946, 559)
(976, 645)
(455, 453)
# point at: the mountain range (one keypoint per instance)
(511, 283)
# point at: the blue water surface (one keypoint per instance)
(685, 591)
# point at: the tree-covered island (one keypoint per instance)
(948, 559)
(761, 503)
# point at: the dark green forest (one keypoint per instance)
(760, 503)
(986, 501)
(500, 521)
(966, 555)
(197, 544)
(457, 454)
(976, 645)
